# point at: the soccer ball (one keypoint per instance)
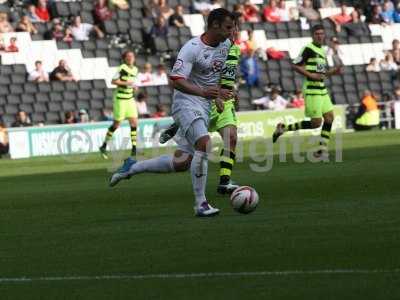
(244, 199)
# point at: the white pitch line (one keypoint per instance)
(196, 275)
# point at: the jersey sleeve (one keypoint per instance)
(302, 58)
(184, 63)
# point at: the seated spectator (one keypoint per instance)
(5, 26)
(373, 66)
(83, 116)
(102, 12)
(388, 64)
(396, 51)
(274, 102)
(22, 120)
(57, 32)
(150, 10)
(376, 15)
(356, 27)
(176, 18)
(62, 72)
(396, 13)
(160, 28)
(283, 12)
(251, 12)
(204, 7)
(327, 4)
(164, 10)
(42, 11)
(297, 100)
(387, 13)
(69, 117)
(307, 11)
(120, 4)
(2, 44)
(145, 77)
(250, 69)
(271, 12)
(4, 146)
(13, 45)
(368, 116)
(238, 11)
(342, 18)
(106, 115)
(141, 104)
(38, 74)
(32, 14)
(160, 77)
(161, 112)
(68, 36)
(81, 31)
(26, 25)
(334, 54)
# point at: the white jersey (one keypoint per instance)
(201, 65)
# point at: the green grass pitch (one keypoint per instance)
(321, 231)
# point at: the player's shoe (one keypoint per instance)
(206, 210)
(168, 133)
(103, 152)
(227, 188)
(279, 130)
(122, 172)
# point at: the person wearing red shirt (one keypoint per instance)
(271, 12)
(41, 11)
(297, 100)
(13, 45)
(250, 12)
(342, 18)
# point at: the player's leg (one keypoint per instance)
(110, 131)
(132, 115)
(168, 133)
(133, 122)
(328, 116)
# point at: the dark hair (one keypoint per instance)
(316, 28)
(218, 15)
(126, 53)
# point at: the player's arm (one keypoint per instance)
(116, 80)
(298, 65)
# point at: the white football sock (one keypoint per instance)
(198, 170)
(161, 164)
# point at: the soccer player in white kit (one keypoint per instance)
(195, 78)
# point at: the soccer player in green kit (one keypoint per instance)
(312, 64)
(222, 119)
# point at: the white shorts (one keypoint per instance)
(196, 130)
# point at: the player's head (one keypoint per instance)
(318, 34)
(221, 23)
(129, 57)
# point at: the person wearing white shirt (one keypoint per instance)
(38, 74)
(160, 77)
(273, 102)
(145, 77)
(81, 31)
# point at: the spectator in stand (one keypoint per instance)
(120, 4)
(334, 54)
(373, 65)
(356, 27)
(271, 12)
(238, 11)
(204, 7)
(376, 15)
(368, 115)
(250, 69)
(387, 13)
(297, 100)
(274, 102)
(26, 25)
(283, 12)
(388, 64)
(62, 72)
(151, 9)
(5, 26)
(146, 76)
(251, 12)
(396, 51)
(4, 146)
(22, 120)
(42, 11)
(57, 32)
(327, 3)
(81, 31)
(342, 18)
(2, 44)
(68, 37)
(83, 116)
(176, 18)
(161, 112)
(38, 74)
(164, 10)
(69, 117)
(106, 115)
(102, 12)
(396, 13)
(160, 28)
(307, 11)
(13, 45)
(32, 14)
(141, 104)
(160, 77)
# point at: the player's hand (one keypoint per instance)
(219, 103)
(225, 94)
(316, 76)
(211, 92)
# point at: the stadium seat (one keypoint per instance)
(11, 109)
(28, 108)
(81, 104)
(96, 104)
(30, 88)
(123, 26)
(55, 96)
(69, 106)
(83, 95)
(96, 94)
(54, 106)
(161, 44)
(52, 118)
(16, 89)
(62, 9)
(69, 96)
(99, 84)
(27, 98)
(18, 78)
(13, 99)
(4, 90)
(37, 117)
(110, 27)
